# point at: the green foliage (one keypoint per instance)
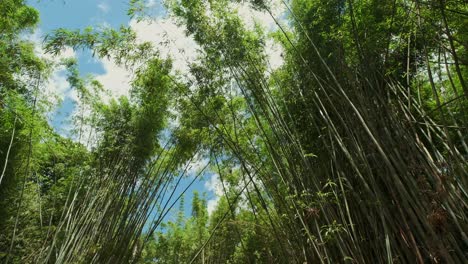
(16, 55)
(105, 43)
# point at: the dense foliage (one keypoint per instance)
(352, 151)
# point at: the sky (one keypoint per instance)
(79, 14)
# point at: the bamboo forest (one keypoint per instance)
(233, 131)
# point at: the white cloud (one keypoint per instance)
(215, 186)
(116, 79)
(104, 7)
(170, 39)
(274, 53)
(212, 204)
(250, 16)
(196, 165)
(57, 84)
(151, 3)
(116, 82)
(56, 88)
(37, 38)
